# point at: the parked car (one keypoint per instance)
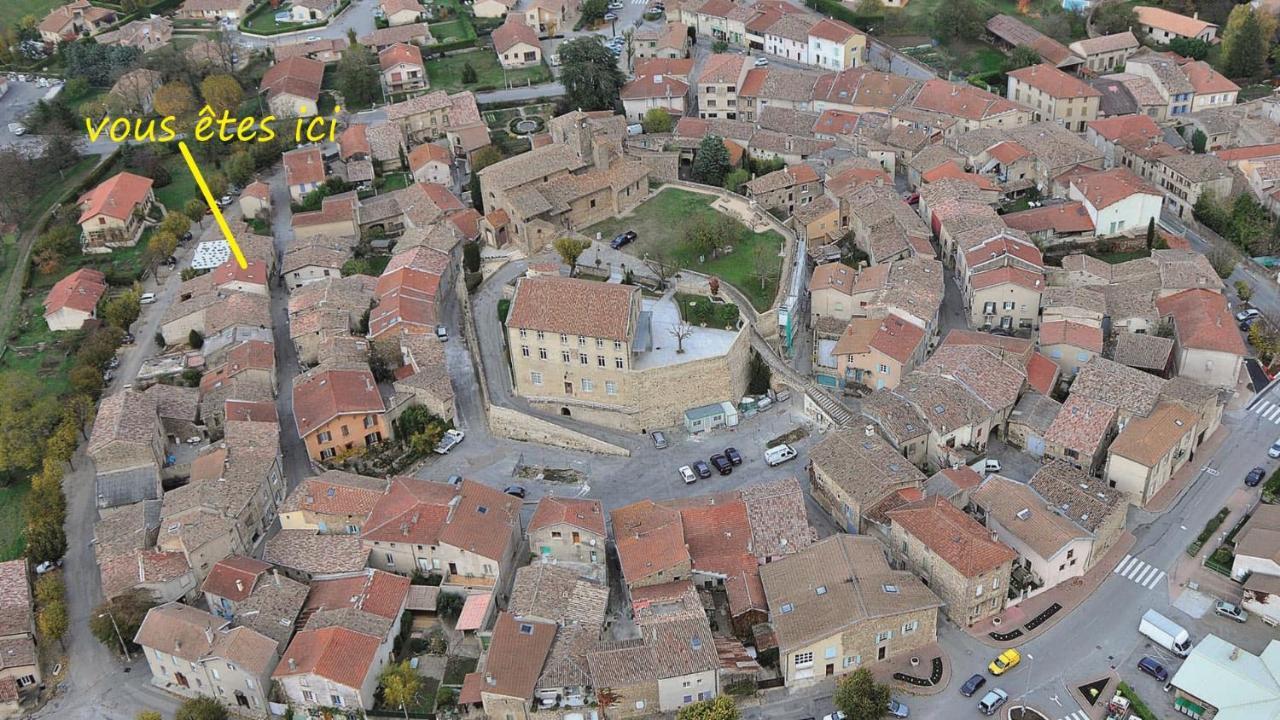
(455, 479)
(147, 298)
(225, 200)
(722, 464)
(1248, 314)
(898, 709)
(610, 17)
(992, 701)
(129, 339)
(113, 363)
(703, 470)
(986, 465)
(1274, 450)
(1245, 325)
(686, 474)
(615, 5)
(972, 685)
(515, 491)
(659, 440)
(449, 441)
(837, 715)
(442, 333)
(734, 456)
(48, 565)
(762, 62)
(313, 38)
(1152, 667)
(1254, 478)
(623, 239)
(1005, 662)
(1230, 610)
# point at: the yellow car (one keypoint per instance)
(1007, 659)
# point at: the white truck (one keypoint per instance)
(1166, 633)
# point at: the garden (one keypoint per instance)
(707, 241)
(450, 73)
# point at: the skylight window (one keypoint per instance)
(821, 590)
(787, 607)
(890, 588)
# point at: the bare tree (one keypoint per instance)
(764, 264)
(680, 331)
(662, 265)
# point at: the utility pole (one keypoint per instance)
(123, 646)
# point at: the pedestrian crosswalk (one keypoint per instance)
(1131, 568)
(639, 2)
(1268, 411)
(1077, 715)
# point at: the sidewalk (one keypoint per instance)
(1191, 569)
(1068, 594)
(901, 663)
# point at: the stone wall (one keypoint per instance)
(515, 425)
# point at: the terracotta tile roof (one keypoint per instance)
(649, 538)
(1142, 351)
(543, 591)
(315, 554)
(1021, 511)
(234, 577)
(411, 511)
(1008, 274)
(897, 338)
(1172, 22)
(80, 290)
(581, 513)
(1126, 126)
(1076, 495)
(1067, 332)
(836, 584)
(299, 76)
(116, 197)
(400, 53)
(474, 611)
(1070, 217)
(865, 466)
(126, 416)
(197, 636)
(1011, 349)
(1132, 390)
(1148, 439)
(513, 32)
(836, 276)
(415, 34)
(429, 153)
(950, 482)
(574, 307)
(834, 30)
(319, 397)
(371, 591)
(517, 652)
(722, 69)
(778, 519)
(1082, 425)
(304, 165)
(15, 598)
(1105, 44)
(675, 67)
(334, 653)
(654, 86)
(1250, 152)
(1051, 81)
(959, 540)
(354, 141)
(285, 51)
(1202, 320)
(335, 492)
(1103, 189)
(480, 520)
(1015, 32)
(1042, 374)
(962, 100)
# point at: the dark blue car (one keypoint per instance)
(972, 685)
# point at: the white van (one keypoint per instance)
(779, 454)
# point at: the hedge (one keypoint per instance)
(1210, 528)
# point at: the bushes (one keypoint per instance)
(1211, 527)
(700, 310)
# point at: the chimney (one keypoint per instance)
(293, 664)
(275, 575)
(208, 633)
(239, 585)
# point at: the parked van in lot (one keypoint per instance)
(779, 454)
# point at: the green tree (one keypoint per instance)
(148, 715)
(174, 98)
(195, 339)
(570, 249)
(759, 375)
(240, 167)
(26, 417)
(711, 163)
(174, 223)
(483, 158)
(356, 77)
(85, 379)
(721, 708)
(658, 120)
(1020, 57)
(1151, 233)
(590, 74)
(469, 76)
(222, 93)
(450, 605)
(594, 10)
(471, 257)
(736, 178)
(959, 20)
(1199, 140)
(445, 697)
(195, 208)
(201, 708)
(720, 46)
(52, 621)
(1243, 290)
(1193, 48)
(401, 685)
(1114, 16)
(122, 310)
(128, 611)
(860, 697)
(160, 246)
(50, 587)
(1245, 46)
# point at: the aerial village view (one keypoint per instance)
(620, 359)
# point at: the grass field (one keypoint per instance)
(71, 177)
(13, 539)
(12, 11)
(452, 30)
(446, 73)
(918, 16)
(1115, 258)
(657, 222)
(181, 187)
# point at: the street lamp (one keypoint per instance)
(119, 637)
(1023, 698)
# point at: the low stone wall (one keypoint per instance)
(515, 425)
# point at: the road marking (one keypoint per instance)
(1139, 572)
(1272, 413)
(1077, 715)
(1261, 407)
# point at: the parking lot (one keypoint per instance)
(14, 106)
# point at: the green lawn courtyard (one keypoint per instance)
(446, 73)
(658, 221)
(12, 11)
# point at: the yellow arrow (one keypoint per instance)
(208, 198)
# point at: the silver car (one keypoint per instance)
(1230, 610)
(659, 440)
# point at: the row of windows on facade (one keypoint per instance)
(485, 568)
(805, 659)
(369, 421)
(567, 357)
(370, 439)
(588, 385)
(990, 308)
(564, 339)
